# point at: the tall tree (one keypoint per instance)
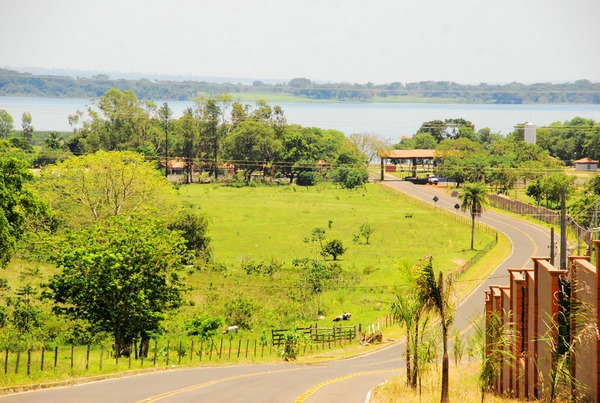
(251, 146)
(6, 124)
(17, 204)
(369, 145)
(27, 127)
(436, 294)
(210, 135)
(120, 276)
(100, 185)
(473, 199)
(164, 117)
(187, 129)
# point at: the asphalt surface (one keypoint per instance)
(345, 381)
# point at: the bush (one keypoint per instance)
(350, 178)
(204, 326)
(306, 178)
(292, 340)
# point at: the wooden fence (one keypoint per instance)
(321, 334)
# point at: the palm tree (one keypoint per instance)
(474, 198)
(436, 296)
(407, 311)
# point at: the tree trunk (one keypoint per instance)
(415, 362)
(408, 352)
(122, 346)
(472, 230)
(445, 375)
(144, 346)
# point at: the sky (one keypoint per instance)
(357, 41)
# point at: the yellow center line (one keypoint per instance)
(535, 247)
(170, 393)
(312, 390)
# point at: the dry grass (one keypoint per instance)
(463, 388)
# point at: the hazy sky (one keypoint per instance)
(381, 41)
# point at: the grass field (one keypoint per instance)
(264, 224)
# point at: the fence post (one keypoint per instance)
(42, 358)
(155, 351)
(239, 346)
(72, 351)
(201, 346)
(5, 361)
(28, 362)
(247, 342)
(87, 357)
(168, 347)
(129, 361)
(55, 357)
(179, 352)
(101, 355)
(212, 344)
(192, 352)
(230, 341)
(255, 348)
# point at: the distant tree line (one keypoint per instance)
(214, 136)
(13, 83)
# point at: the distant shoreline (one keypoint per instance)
(13, 83)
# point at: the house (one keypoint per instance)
(586, 164)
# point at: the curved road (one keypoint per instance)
(345, 380)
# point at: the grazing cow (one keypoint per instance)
(345, 316)
(231, 329)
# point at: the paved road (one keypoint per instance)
(340, 381)
(527, 239)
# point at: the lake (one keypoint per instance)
(388, 120)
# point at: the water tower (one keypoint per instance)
(530, 133)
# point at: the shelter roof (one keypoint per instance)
(586, 160)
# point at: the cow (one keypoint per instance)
(345, 316)
(231, 329)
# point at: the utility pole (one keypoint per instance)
(552, 255)
(563, 230)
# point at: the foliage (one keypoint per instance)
(317, 277)
(119, 275)
(292, 340)
(350, 177)
(408, 309)
(193, 226)
(19, 207)
(334, 248)
(204, 326)
(490, 342)
(241, 311)
(473, 199)
(365, 230)
(436, 295)
(101, 185)
(580, 91)
(6, 124)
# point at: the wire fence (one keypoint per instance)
(21, 366)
